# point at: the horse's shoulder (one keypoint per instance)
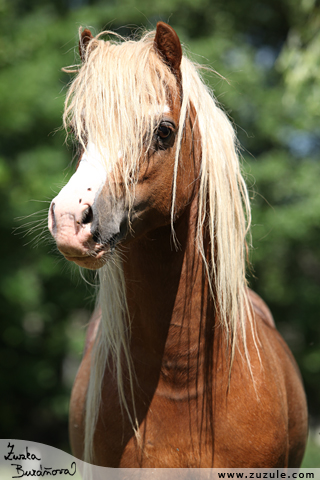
(261, 309)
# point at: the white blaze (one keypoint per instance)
(86, 182)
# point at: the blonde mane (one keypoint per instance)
(115, 101)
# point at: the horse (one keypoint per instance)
(183, 366)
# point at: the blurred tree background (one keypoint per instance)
(269, 53)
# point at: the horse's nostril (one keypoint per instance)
(87, 216)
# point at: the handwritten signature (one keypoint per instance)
(35, 472)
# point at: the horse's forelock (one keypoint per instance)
(117, 98)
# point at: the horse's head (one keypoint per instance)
(124, 107)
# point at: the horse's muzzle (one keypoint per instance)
(71, 227)
(86, 231)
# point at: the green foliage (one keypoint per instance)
(268, 52)
(312, 455)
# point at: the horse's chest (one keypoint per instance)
(176, 433)
(168, 436)
(181, 427)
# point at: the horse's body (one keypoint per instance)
(192, 392)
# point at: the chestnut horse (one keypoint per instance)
(183, 365)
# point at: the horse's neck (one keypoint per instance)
(170, 307)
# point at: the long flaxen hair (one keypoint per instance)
(115, 101)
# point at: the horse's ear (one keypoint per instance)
(85, 38)
(167, 44)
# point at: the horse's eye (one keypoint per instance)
(164, 132)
